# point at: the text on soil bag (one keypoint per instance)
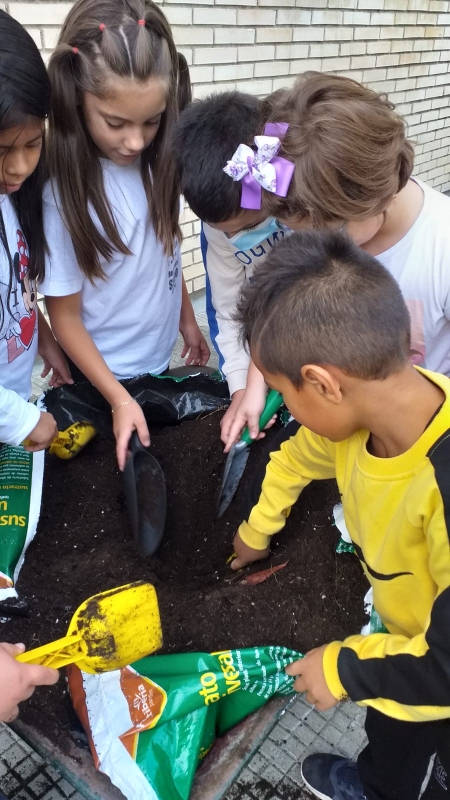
(15, 485)
(210, 689)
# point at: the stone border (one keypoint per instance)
(221, 767)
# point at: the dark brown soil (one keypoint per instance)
(84, 545)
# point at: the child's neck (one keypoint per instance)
(397, 411)
(399, 219)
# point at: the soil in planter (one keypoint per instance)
(84, 546)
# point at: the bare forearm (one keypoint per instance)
(78, 345)
(187, 312)
(44, 332)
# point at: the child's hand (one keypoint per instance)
(230, 414)
(18, 681)
(126, 419)
(248, 414)
(42, 435)
(245, 554)
(195, 345)
(311, 679)
(54, 359)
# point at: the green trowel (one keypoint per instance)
(239, 453)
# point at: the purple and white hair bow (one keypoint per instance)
(263, 169)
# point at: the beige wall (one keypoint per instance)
(398, 46)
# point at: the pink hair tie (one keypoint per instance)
(75, 50)
(102, 26)
(141, 22)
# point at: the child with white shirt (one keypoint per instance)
(353, 170)
(114, 287)
(24, 105)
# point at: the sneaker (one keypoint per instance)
(332, 777)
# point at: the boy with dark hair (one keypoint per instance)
(328, 328)
(233, 239)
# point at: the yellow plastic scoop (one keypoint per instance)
(109, 631)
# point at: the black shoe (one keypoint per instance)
(332, 777)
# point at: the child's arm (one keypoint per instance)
(18, 681)
(65, 317)
(226, 274)
(20, 420)
(303, 458)
(51, 353)
(405, 678)
(195, 345)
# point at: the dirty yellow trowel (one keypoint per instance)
(109, 631)
(70, 442)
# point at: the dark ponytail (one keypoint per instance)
(25, 93)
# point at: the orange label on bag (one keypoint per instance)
(146, 700)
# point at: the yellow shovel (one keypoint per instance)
(70, 442)
(109, 631)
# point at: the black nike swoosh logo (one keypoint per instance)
(378, 575)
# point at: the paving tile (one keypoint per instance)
(55, 794)
(23, 795)
(53, 773)
(279, 735)
(288, 790)
(350, 709)
(66, 788)
(316, 722)
(348, 747)
(289, 721)
(9, 784)
(295, 747)
(271, 774)
(331, 734)
(6, 740)
(301, 709)
(13, 755)
(341, 721)
(261, 790)
(305, 734)
(40, 784)
(246, 776)
(26, 769)
(257, 763)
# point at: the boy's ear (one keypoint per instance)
(322, 381)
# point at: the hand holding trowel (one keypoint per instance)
(239, 453)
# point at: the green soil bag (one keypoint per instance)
(150, 723)
(21, 475)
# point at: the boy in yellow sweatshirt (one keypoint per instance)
(327, 326)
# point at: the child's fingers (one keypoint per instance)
(239, 563)
(42, 676)
(235, 431)
(295, 668)
(46, 369)
(122, 449)
(13, 649)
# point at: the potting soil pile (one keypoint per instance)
(150, 723)
(84, 545)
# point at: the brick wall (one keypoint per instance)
(398, 46)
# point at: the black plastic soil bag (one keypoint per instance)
(170, 398)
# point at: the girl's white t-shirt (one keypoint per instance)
(18, 333)
(132, 316)
(420, 263)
